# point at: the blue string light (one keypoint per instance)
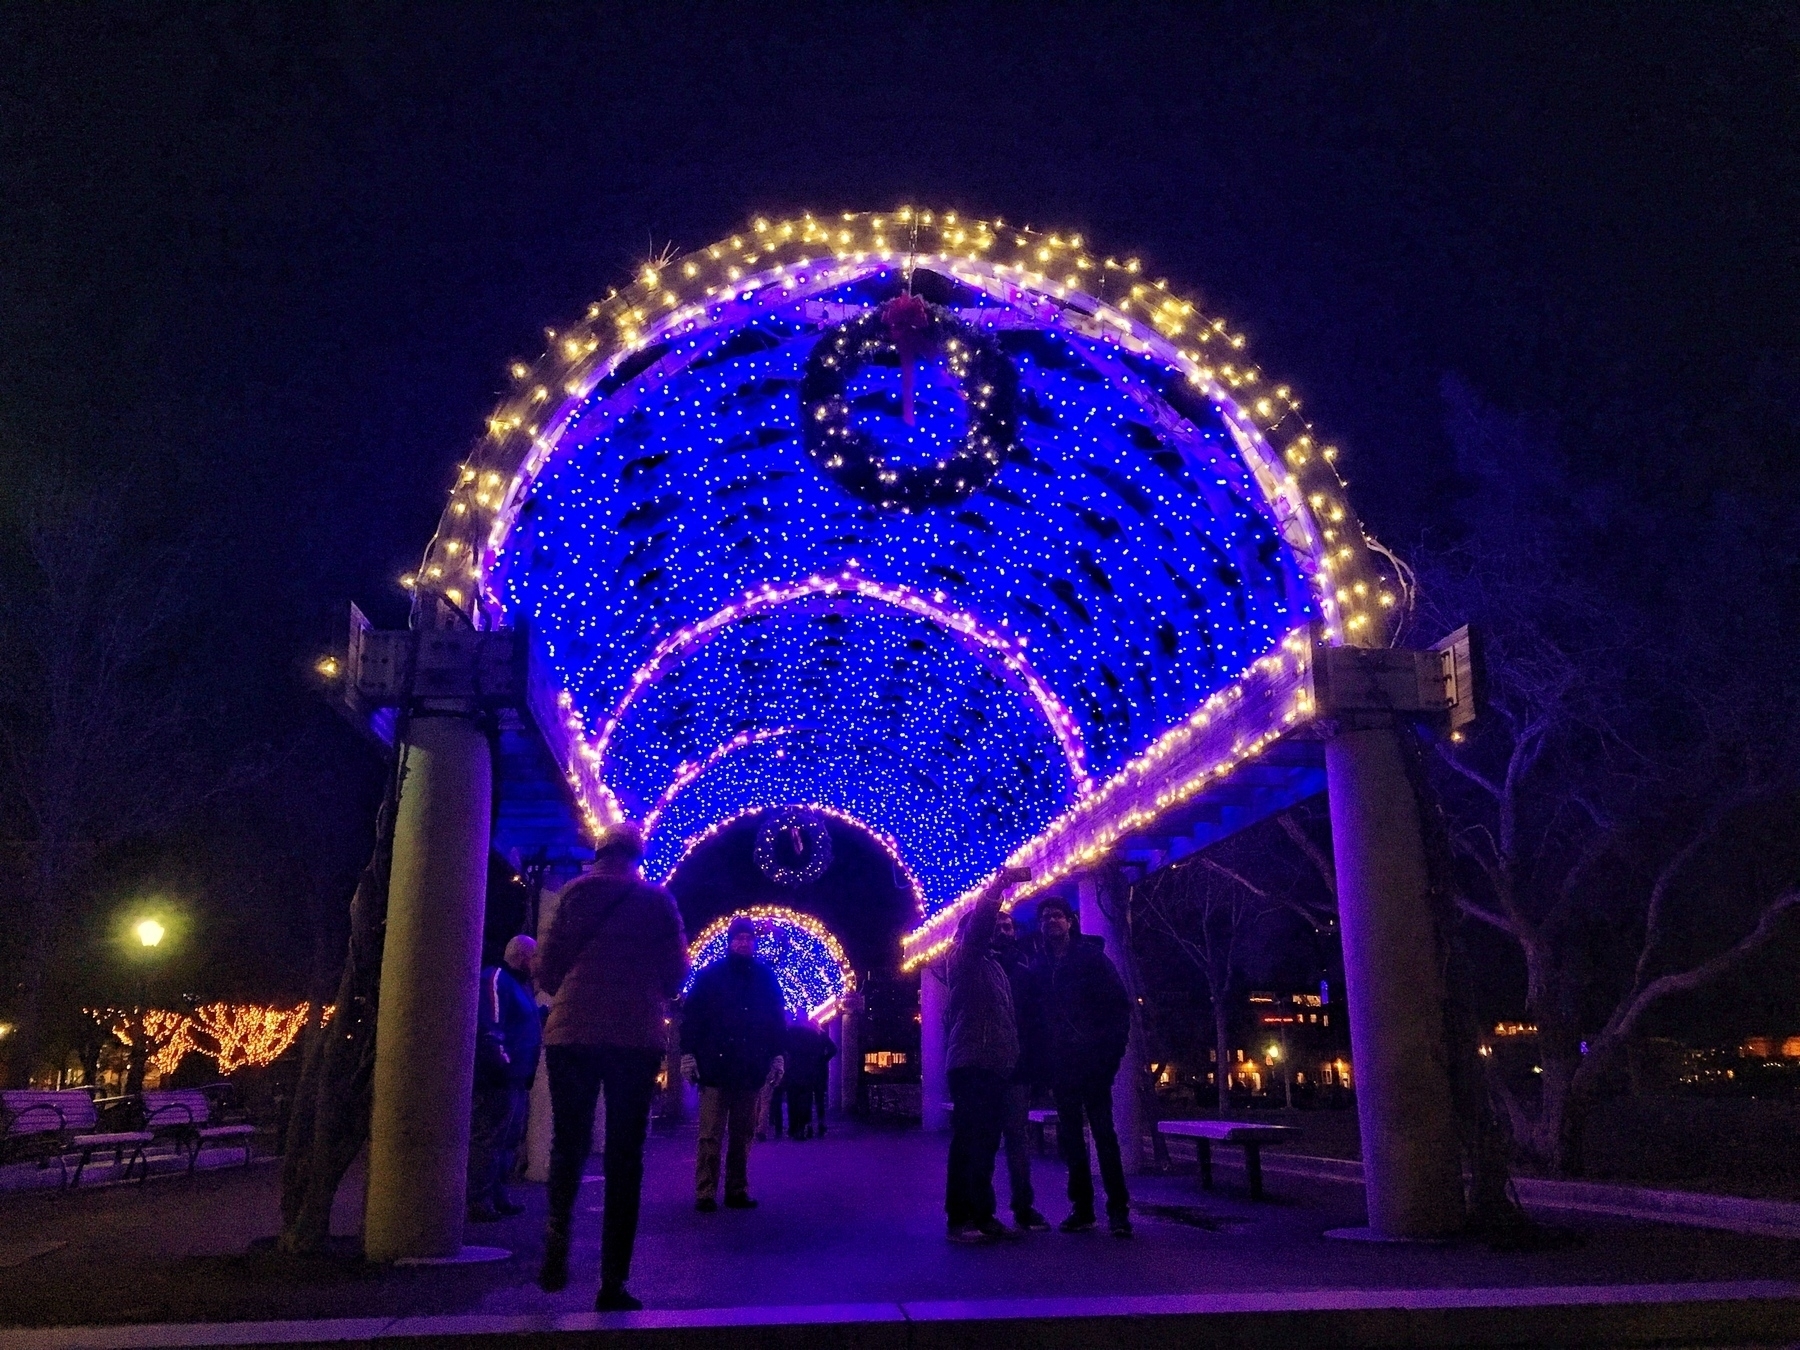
(1119, 542)
(808, 961)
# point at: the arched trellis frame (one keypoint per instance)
(624, 343)
(885, 842)
(809, 961)
(1097, 297)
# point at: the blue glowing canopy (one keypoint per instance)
(733, 623)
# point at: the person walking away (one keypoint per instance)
(733, 1031)
(613, 959)
(796, 1081)
(821, 1077)
(809, 1053)
(509, 1032)
(982, 1042)
(1030, 1075)
(1089, 1017)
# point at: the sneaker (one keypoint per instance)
(553, 1275)
(706, 1204)
(995, 1231)
(1119, 1225)
(969, 1234)
(484, 1214)
(1030, 1221)
(739, 1202)
(616, 1300)
(1077, 1223)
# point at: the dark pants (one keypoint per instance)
(978, 1102)
(1090, 1099)
(577, 1074)
(806, 1103)
(799, 1103)
(777, 1096)
(496, 1126)
(1016, 1128)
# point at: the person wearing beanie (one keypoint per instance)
(508, 1037)
(733, 1029)
(1088, 1014)
(614, 957)
(982, 1050)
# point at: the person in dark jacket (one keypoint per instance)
(733, 1031)
(509, 1031)
(982, 1050)
(1031, 1075)
(809, 1053)
(1089, 1017)
(613, 958)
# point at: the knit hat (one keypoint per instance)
(519, 951)
(743, 923)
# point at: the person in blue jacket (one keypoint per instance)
(509, 1032)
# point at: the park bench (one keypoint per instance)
(59, 1124)
(1206, 1133)
(185, 1115)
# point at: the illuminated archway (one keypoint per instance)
(725, 625)
(806, 956)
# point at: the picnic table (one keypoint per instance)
(1206, 1133)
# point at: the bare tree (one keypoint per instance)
(1207, 910)
(95, 738)
(1615, 755)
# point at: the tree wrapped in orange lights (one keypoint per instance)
(248, 1035)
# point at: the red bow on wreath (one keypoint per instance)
(906, 318)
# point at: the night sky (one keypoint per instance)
(268, 263)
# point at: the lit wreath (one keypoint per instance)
(907, 327)
(793, 848)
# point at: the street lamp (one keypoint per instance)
(149, 934)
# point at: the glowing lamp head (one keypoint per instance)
(1274, 1053)
(149, 932)
(329, 667)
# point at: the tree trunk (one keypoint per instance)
(26, 1043)
(1222, 1035)
(330, 1122)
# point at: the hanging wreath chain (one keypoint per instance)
(806, 839)
(908, 328)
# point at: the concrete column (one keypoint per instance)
(431, 961)
(1128, 1106)
(1412, 1165)
(834, 1073)
(934, 1067)
(850, 1056)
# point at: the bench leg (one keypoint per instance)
(1159, 1150)
(1204, 1148)
(75, 1181)
(1253, 1165)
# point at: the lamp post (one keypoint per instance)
(149, 934)
(1287, 1079)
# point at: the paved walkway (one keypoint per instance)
(853, 1218)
